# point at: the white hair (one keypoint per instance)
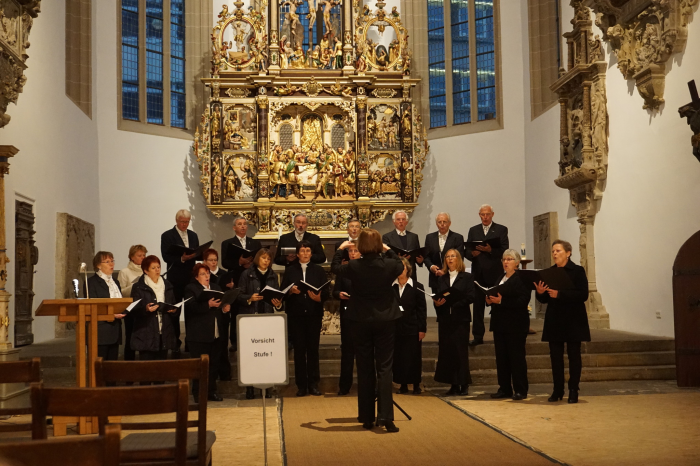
(485, 206)
(445, 214)
(512, 253)
(239, 217)
(183, 213)
(300, 214)
(393, 216)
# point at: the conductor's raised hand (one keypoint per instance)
(553, 293)
(541, 287)
(315, 296)
(295, 290)
(213, 302)
(439, 302)
(346, 244)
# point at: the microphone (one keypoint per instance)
(75, 288)
(83, 269)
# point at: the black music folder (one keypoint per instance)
(420, 252)
(555, 278)
(206, 295)
(495, 243)
(236, 252)
(177, 250)
(490, 291)
(165, 307)
(451, 295)
(304, 287)
(269, 293)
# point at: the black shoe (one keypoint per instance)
(519, 396)
(464, 390)
(417, 390)
(215, 397)
(476, 341)
(314, 391)
(403, 389)
(343, 392)
(499, 394)
(389, 425)
(573, 396)
(454, 389)
(302, 392)
(367, 425)
(555, 397)
(249, 393)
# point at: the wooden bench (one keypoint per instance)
(199, 443)
(118, 401)
(66, 451)
(19, 372)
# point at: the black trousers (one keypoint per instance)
(556, 356)
(305, 329)
(478, 309)
(453, 354)
(178, 291)
(347, 353)
(108, 352)
(224, 362)
(233, 336)
(129, 354)
(510, 362)
(408, 359)
(197, 349)
(374, 346)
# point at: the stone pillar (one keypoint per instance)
(362, 156)
(563, 121)
(274, 67)
(7, 353)
(598, 316)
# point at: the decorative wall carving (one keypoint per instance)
(691, 112)
(546, 230)
(583, 139)
(26, 257)
(16, 18)
(644, 34)
(300, 141)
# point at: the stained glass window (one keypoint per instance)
(461, 104)
(338, 136)
(130, 60)
(485, 60)
(177, 63)
(286, 136)
(436, 64)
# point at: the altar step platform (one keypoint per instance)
(610, 356)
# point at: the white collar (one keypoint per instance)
(350, 238)
(241, 238)
(182, 233)
(304, 264)
(104, 276)
(487, 226)
(440, 235)
(215, 271)
(401, 233)
(134, 267)
(453, 273)
(262, 271)
(409, 282)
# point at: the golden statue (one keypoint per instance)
(311, 133)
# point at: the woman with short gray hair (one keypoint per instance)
(510, 322)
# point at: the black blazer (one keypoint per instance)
(217, 278)
(298, 304)
(144, 337)
(412, 242)
(250, 284)
(566, 318)
(414, 316)
(459, 311)
(372, 299)
(487, 267)
(108, 333)
(235, 270)
(511, 316)
(181, 273)
(289, 240)
(437, 257)
(199, 317)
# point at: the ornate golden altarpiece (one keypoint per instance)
(310, 110)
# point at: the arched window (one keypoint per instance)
(286, 136)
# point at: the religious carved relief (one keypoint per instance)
(583, 139)
(644, 34)
(691, 112)
(328, 127)
(16, 19)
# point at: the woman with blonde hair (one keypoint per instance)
(374, 310)
(453, 319)
(126, 278)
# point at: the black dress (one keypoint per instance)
(347, 346)
(453, 332)
(147, 338)
(408, 355)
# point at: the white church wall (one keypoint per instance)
(649, 207)
(57, 166)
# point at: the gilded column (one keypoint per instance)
(348, 56)
(217, 167)
(274, 38)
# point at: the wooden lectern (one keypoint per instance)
(83, 311)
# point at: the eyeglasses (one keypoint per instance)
(508, 259)
(107, 262)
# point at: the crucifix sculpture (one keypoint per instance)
(691, 112)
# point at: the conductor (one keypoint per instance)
(374, 310)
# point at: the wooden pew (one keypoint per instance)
(19, 372)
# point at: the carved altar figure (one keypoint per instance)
(327, 6)
(349, 166)
(278, 176)
(406, 121)
(323, 168)
(296, 60)
(292, 23)
(294, 183)
(311, 133)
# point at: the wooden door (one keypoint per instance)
(686, 312)
(26, 257)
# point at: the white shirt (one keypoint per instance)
(215, 272)
(350, 238)
(442, 239)
(114, 291)
(303, 270)
(183, 235)
(298, 236)
(504, 279)
(401, 233)
(241, 240)
(453, 276)
(486, 228)
(401, 288)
